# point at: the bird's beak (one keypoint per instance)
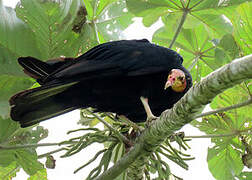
(168, 84)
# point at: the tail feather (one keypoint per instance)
(35, 112)
(35, 68)
(35, 105)
(39, 93)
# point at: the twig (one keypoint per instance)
(119, 135)
(131, 123)
(245, 131)
(51, 152)
(183, 18)
(245, 103)
(91, 160)
(3, 147)
(213, 135)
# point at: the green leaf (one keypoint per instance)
(118, 152)
(224, 163)
(51, 22)
(201, 53)
(28, 161)
(245, 176)
(233, 121)
(89, 8)
(9, 64)
(239, 119)
(11, 84)
(37, 134)
(194, 45)
(6, 157)
(8, 127)
(31, 135)
(151, 10)
(230, 48)
(214, 4)
(16, 40)
(122, 176)
(224, 159)
(207, 12)
(102, 4)
(112, 21)
(9, 172)
(216, 23)
(40, 175)
(8, 86)
(243, 27)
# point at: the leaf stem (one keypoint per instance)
(51, 152)
(3, 147)
(235, 106)
(119, 135)
(236, 133)
(183, 18)
(213, 135)
(91, 160)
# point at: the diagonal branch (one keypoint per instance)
(183, 112)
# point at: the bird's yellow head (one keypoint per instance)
(176, 80)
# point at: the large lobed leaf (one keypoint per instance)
(206, 43)
(241, 19)
(108, 19)
(205, 12)
(10, 85)
(51, 23)
(40, 175)
(201, 53)
(9, 171)
(224, 159)
(16, 40)
(225, 163)
(10, 160)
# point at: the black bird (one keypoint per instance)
(111, 77)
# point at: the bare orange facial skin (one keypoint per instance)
(176, 80)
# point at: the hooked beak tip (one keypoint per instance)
(167, 84)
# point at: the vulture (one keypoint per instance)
(133, 78)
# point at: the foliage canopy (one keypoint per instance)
(207, 33)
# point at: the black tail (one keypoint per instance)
(35, 105)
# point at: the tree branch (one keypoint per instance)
(183, 112)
